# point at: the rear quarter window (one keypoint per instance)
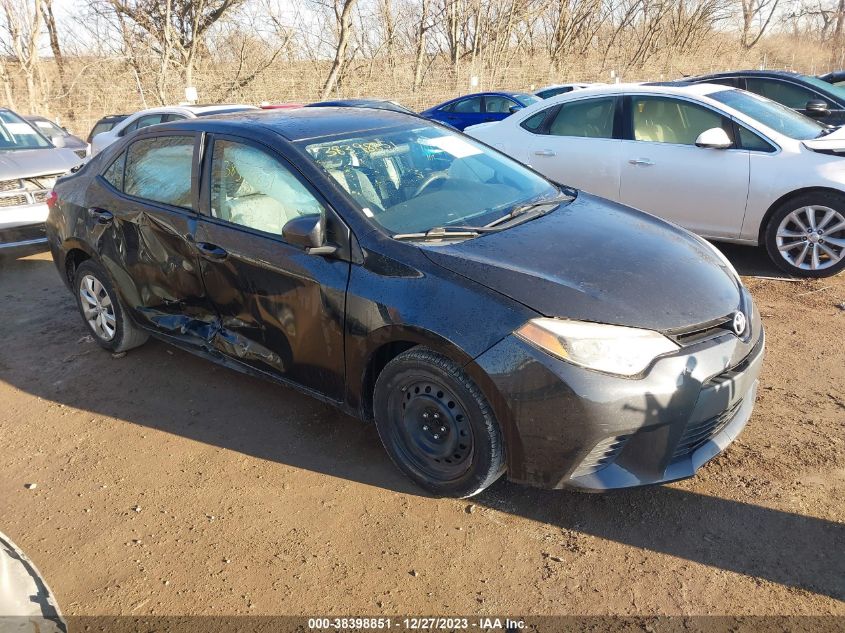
(160, 169)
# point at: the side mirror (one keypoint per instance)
(817, 108)
(309, 232)
(58, 141)
(714, 138)
(515, 108)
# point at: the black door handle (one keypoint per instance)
(211, 251)
(101, 215)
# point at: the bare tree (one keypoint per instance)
(23, 24)
(757, 16)
(343, 17)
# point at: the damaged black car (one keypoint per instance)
(488, 320)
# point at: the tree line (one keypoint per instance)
(155, 48)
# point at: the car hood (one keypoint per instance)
(26, 163)
(833, 142)
(595, 260)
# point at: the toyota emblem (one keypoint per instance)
(739, 323)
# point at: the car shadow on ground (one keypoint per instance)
(162, 388)
(750, 261)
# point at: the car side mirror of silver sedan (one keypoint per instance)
(714, 138)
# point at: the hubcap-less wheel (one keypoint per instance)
(435, 433)
(97, 307)
(812, 237)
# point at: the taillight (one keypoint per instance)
(52, 198)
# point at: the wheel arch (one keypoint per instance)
(75, 252)
(764, 223)
(387, 343)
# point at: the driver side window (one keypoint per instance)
(666, 120)
(251, 188)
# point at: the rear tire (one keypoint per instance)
(436, 425)
(102, 311)
(805, 236)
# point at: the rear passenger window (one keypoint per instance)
(251, 188)
(471, 105)
(590, 118)
(114, 174)
(160, 169)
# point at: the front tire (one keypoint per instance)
(436, 425)
(805, 236)
(102, 311)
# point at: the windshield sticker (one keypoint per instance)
(367, 212)
(454, 145)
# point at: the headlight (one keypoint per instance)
(614, 349)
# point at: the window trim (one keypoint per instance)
(205, 187)
(194, 171)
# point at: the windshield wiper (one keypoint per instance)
(522, 209)
(443, 233)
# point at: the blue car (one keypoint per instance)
(479, 108)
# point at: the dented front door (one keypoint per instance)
(281, 310)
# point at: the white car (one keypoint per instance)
(153, 116)
(724, 163)
(559, 89)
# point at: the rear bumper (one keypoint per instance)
(568, 427)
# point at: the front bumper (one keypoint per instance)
(23, 225)
(566, 426)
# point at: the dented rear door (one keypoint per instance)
(142, 221)
(281, 310)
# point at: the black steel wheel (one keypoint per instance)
(436, 424)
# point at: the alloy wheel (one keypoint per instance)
(97, 307)
(812, 237)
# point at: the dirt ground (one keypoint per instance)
(167, 485)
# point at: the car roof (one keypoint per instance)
(36, 117)
(664, 87)
(303, 123)
(753, 73)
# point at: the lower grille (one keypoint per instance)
(696, 435)
(9, 185)
(602, 455)
(40, 196)
(13, 201)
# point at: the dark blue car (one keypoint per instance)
(479, 108)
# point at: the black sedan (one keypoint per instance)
(807, 94)
(486, 319)
(837, 78)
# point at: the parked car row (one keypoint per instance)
(724, 163)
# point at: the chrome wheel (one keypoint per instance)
(812, 237)
(97, 307)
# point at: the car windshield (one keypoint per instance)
(17, 134)
(773, 115)
(49, 128)
(526, 99)
(416, 178)
(833, 89)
